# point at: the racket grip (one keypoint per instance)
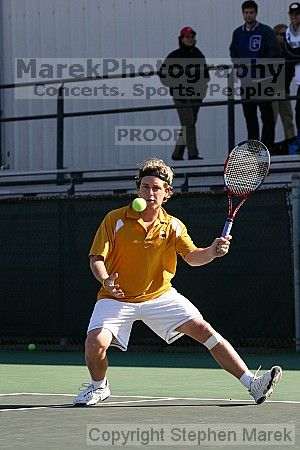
(227, 228)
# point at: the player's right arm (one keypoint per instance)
(98, 268)
(100, 250)
(99, 271)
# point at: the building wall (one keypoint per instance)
(105, 29)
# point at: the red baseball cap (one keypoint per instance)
(186, 31)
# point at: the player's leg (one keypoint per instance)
(220, 348)
(171, 315)
(96, 345)
(222, 351)
(110, 324)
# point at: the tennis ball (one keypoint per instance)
(139, 204)
(31, 347)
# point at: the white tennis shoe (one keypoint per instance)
(90, 396)
(262, 387)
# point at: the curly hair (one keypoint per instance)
(277, 28)
(156, 167)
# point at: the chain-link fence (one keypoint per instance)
(48, 291)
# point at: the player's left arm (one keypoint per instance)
(202, 256)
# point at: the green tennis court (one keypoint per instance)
(148, 389)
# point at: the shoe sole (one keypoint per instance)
(276, 375)
(83, 405)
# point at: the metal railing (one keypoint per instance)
(61, 115)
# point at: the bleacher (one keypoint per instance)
(189, 176)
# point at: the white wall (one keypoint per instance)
(112, 28)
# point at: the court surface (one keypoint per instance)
(151, 393)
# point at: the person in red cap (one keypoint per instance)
(185, 73)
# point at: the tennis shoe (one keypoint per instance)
(262, 387)
(89, 396)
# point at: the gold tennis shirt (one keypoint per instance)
(145, 260)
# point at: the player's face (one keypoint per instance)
(153, 190)
(249, 15)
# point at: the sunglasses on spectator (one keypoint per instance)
(281, 34)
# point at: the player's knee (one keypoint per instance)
(97, 342)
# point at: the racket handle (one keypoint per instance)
(227, 228)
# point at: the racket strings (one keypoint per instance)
(246, 168)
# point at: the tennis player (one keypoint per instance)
(134, 257)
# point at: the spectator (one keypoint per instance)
(251, 41)
(284, 109)
(189, 89)
(293, 51)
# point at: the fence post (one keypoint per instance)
(1, 157)
(60, 134)
(230, 111)
(296, 251)
(1, 81)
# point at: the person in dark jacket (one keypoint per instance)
(185, 73)
(255, 41)
(284, 109)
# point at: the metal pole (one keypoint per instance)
(296, 250)
(230, 112)
(60, 134)
(1, 125)
(1, 76)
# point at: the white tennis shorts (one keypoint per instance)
(163, 315)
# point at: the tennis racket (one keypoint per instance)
(245, 169)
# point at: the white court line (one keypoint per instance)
(23, 409)
(138, 401)
(70, 404)
(150, 397)
(73, 395)
(231, 400)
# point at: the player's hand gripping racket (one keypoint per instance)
(245, 169)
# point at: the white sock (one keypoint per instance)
(246, 379)
(100, 383)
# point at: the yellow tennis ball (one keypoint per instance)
(139, 204)
(31, 347)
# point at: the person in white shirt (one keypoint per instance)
(293, 51)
